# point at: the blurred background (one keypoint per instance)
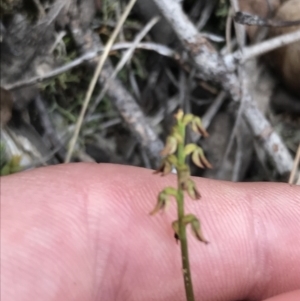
(49, 50)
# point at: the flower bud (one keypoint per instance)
(187, 119)
(179, 115)
(165, 168)
(184, 175)
(197, 127)
(171, 146)
(164, 199)
(195, 226)
(192, 190)
(189, 148)
(199, 158)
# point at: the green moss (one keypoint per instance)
(8, 166)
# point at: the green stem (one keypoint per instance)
(182, 229)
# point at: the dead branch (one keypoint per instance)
(213, 67)
(208, 61)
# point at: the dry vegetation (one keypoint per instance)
(236, 77)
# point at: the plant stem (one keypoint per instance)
(182, 229)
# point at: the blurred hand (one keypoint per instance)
(83, 232)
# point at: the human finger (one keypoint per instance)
(88, 227)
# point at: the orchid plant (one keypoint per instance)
(174, 155)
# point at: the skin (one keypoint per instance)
(83, 232)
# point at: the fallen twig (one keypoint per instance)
(161, 49)
(126, 56)
(295, 167)
(119, 95)
(95, 78)
(250, 52)
(213, 109)
(240, 35)
(239, 29)
(228, 31)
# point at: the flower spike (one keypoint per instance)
(175, 153)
